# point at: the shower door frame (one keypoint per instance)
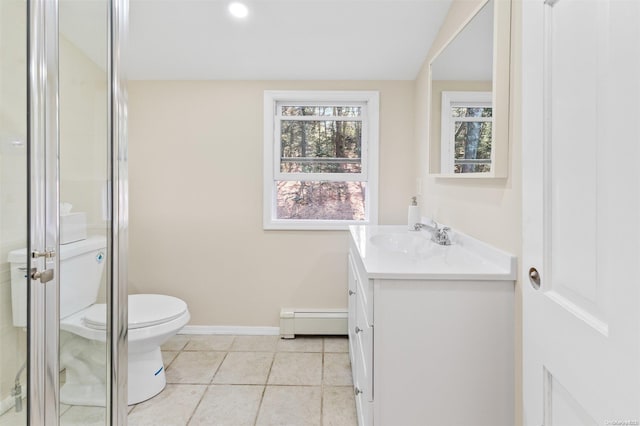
(43, 200)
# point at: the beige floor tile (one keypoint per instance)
(290, 405)
(171, 407)
(192, 361)
(255, 343)
(244, 368)
(168, 357)
(336, 344)
(337, 370)
(300, 344)
(176, 343)
(222, 405)
(84, 416)
(194, 367)
(11, 418)
(338, 406)
(209, 343)
(293, 368)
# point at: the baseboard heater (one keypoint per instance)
(312, 321)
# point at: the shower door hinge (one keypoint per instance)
(47, 254)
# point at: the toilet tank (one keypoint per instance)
(81, 269)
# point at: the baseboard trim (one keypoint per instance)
(9, 402)
(230, 329)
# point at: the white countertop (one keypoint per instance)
(394, 252)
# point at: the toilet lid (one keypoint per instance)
(144, 310)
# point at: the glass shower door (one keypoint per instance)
(13, 208)
(83, 79)
(62, 197)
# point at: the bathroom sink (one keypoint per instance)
(401, 242)
(394, 252)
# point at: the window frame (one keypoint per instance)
(450, 99)
(369, 101)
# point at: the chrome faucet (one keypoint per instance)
(439, 234)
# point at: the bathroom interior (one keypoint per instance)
(183, 206)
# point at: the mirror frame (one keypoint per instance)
(500, 95)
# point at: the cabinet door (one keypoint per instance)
(352, 295)
(364, 335)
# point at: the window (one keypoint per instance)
(467, 119)
(320, 159)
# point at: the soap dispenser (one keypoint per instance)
(414, 214)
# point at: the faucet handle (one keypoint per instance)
(443, 237)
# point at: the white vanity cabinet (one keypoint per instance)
(430, 330)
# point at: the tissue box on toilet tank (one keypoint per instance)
(73, 227)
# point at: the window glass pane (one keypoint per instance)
(320, 200)
(320, 146)
(472, 149)
(325, 111)
(471, 111)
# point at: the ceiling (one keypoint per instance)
(281, 39)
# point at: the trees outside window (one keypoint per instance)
(320, 159)
(467, 121)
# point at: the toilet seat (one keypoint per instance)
(145, 310)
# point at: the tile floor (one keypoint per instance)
(244, 380)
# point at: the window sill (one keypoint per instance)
(311, 225)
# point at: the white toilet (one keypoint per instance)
(153, 319)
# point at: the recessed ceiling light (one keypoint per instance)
(238, 10)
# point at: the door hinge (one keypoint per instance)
(47, 254)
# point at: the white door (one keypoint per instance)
(581, 212)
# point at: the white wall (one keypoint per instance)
(13, 178)
(195, 167)
(488, 209)
(83, 134)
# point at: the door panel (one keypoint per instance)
(574, 99)
(581, 211)
(561, 408)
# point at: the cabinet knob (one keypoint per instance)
(357, 390)
(351, 292)
(358, 329)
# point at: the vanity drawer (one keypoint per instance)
(352, 303)
(364, 289)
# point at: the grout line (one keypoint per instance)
(255, 420)
(218, 368)
(264, 389)
(322, 387)
(206, 389)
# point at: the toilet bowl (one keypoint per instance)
(152, 320)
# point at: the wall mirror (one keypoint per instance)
(469, 97)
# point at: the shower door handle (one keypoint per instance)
(44, 276)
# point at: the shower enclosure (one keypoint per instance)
(62, 177)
